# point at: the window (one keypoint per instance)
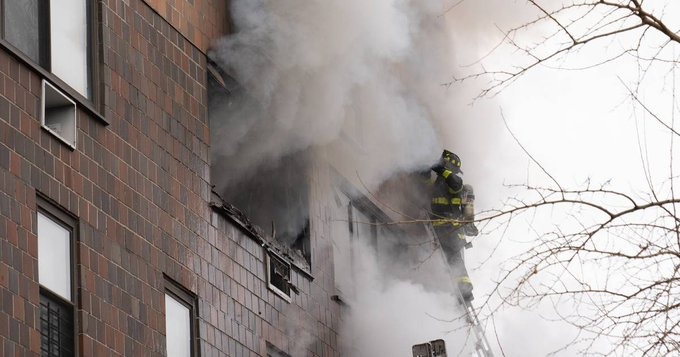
(273, 195)
(56, 232)
(180, 321)
(276, 199)
(303, 243)
(54, 35)
(278, 276)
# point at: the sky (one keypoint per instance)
(371, 74)
(576, 126)
(580, 125)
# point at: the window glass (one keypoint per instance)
(177, 328)
(56, 327)
(279, 276)
(22, 26)
(54, 256)
(68, 30)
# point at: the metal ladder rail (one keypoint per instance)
(482, 344)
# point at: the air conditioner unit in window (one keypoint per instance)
(58, 115)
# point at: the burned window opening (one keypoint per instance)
(277, 200)
(303, 244)
(273, 195)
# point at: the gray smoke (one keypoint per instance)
(317, 74)
(354, 83)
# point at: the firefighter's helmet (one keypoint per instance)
(451, 160)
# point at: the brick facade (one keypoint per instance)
(200, 21)
(140, 191)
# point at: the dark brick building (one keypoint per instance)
(109, 230)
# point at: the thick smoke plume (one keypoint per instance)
(388, 315)
(316, 74)
(353, 83)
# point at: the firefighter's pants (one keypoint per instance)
(452, 241)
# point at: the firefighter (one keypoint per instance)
(450, 206)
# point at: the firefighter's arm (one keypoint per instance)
(454, 181)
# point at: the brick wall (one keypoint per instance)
(200, 21)
(20, 154)
(139, 188)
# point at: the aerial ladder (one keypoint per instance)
(436, 348)
(482, 347)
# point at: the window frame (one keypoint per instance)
(94, 104)
(65, 219)
(190, 300)
(270, 254)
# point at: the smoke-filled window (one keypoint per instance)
(272, 191)
(276, 198)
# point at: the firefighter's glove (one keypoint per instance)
(438, 168)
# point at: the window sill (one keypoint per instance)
(81, 101)
(279, 293)
(254, 232)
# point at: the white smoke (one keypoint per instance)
(387, 316)
(359, 84)
(319, 72)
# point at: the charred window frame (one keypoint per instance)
(182, 298)
(57, 241)
(34, 31)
